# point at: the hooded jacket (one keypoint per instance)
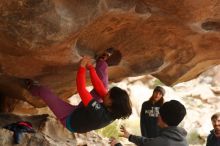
(170, 136)
(148, 119)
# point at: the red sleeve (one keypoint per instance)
(84, 94)
(97, 83)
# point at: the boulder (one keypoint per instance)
(45, 39)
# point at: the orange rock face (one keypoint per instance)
(45, 39)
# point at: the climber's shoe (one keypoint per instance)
(106, 54)
(29, 82)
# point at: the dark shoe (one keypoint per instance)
(115, 58)
(106, 54)
(29, 82)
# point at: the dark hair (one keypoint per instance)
(172, 112)
(159, 89)
(162, 91)
(121, 104)
(215, 116)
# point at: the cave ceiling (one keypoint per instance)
(174, 41)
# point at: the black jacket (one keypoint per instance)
(212, 140)
(92, 117)
(148, 121)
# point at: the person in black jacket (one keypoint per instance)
(214, 136)
(150, 112)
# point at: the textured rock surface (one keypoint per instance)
(49, 132)
(44, 39)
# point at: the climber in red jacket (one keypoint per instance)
(99, 107)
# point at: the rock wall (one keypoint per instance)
(45, 39)
(49, 132)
